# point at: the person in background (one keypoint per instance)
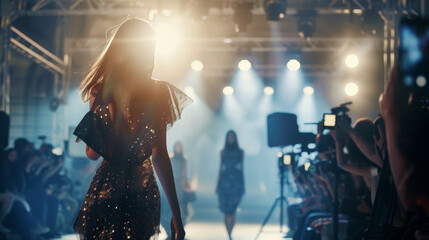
(179, 163)
(230, 185)
(13, 177)
(354, 161)
(23, 148)
(407, 132)
(16, 212)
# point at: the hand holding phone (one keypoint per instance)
(413, 60)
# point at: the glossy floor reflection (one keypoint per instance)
(216, 231)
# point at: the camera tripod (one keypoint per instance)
(281, 201)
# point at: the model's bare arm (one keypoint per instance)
(162, 164)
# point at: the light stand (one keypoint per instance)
(281, 200)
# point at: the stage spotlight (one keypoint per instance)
(228, 90)
(351, 89)
(293, 65)
(244, 65)
(306, 22)
(197, 65)
(352, 61)
(275, 9)
(242, 15)
(268, 90)
(308, 90)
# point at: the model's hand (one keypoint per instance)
(177, 230)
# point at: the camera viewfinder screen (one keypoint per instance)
(287, 159)
(414, 53)
(329, 120)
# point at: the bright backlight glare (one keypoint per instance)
(352, 61)
(308, 90)
(228, 90)
(293, 65)
(197, 65)
(169, 38)
(268, 90)
(244, 65)
(351, 89)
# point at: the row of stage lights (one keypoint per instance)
(351, 89)
(246, 65)
(268, 90)
(351, 61)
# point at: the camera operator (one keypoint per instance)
(354, 191)
(407, 134)
(315, 203)
(354, 161)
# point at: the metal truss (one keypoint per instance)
(257, 45)
(60, 66)
(25, 45)
(145, 7)
(252, 44)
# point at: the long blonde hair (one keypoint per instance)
(119, 36)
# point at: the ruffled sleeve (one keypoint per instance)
(89, 131)
(171, 103)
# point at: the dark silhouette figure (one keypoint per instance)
(230, 185)
(130, 114)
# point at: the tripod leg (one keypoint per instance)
(267, 217)
(286, 204)
(281, 214)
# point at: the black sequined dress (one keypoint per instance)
(230, 186)
(123, 200)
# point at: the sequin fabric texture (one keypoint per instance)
(123, 200)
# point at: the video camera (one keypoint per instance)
(282, 129)
(338, 114)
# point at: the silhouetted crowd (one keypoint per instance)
(38, 197)
(381, 169)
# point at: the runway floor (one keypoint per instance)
(216, 231)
